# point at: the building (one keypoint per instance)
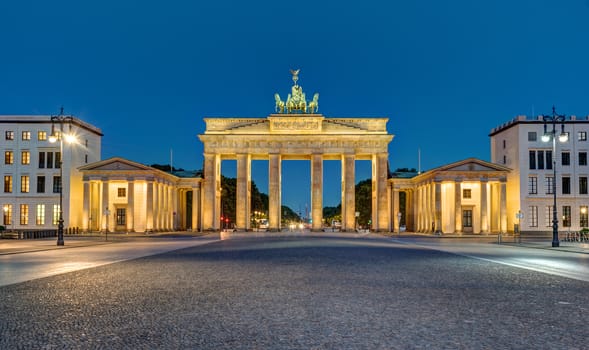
(518, 145)
(31, 170)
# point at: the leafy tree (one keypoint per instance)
(332, 213)
(364, 201)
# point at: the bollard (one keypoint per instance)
(499, 238)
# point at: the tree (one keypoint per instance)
(364, 202)
(332, 214)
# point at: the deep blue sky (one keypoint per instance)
(147, 72)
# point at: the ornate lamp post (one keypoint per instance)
(563, 137)
(54, 137)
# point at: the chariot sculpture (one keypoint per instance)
(296, 100)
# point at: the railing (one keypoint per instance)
(37, 234)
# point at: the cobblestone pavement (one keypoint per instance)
(297, 293)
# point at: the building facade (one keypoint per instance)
(518, 145)
(31, 174)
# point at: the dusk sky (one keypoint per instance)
(444, 72)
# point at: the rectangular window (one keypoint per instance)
(566, 185)
(8, 157)
(467, 218)
(582, 136)
(549, 214)
(40, 184)
(533, 216)
(532, 159)
(7, 183)
(9, 135)
(40, 218)
(532, 185)
(7, 209)
(566, 158)
(56, 184)
(24, 214)
(25, 157)
(24, 184)
(26, 135)
(41, 160)
(49, 160)
(532, 136)
(540, 159)
(583, 185)
(121, 216)
(467, 193)
(504, 144)
(121, 192)
(584, 216)
(548, 159)
(566, 216)
(549, 184)
(582, 158)
(55, 219)
(42, 135)
(85, 158)
(57, 160)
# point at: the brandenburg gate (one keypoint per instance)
(295, 132)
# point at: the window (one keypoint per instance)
(122, 192)
(49, 160)
(42, 136)
(467, 218)
(532, 159)
(7, 209)
(583, 216)
(24, 184)
(532, 185)
(566, 158)
(582, 158)
(25, 157)
(7, 184)
(540, 159)
(566, 185)
(40, 218)
(55, 219)
(549, 184)
(582, 136)
(549, 215)
(40, 184)
(566, 216)
(86, 143)
(26, 135)
(548, 159)
(9, 135)
(24, 214)
(583, 185)
(57, 160)
(467, 193)
(8, 157)
(533, 216)
(41, 160)
(532, 136)
(504, 160)
(120, 216)
(504, 144)
(85, 158)
(56, 184)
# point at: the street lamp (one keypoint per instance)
(563, 137)
(54, 137)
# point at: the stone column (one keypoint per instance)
(458, 205)
(348, 192)
(317, 192)
(149, 206)
(396, 210)
(409, 223)
(175, 211)
(382, 204)
(484, 211)
(438, 205)
(274, 189)
(86, 208)
(197, 209)
(130, 205)
(105, 205)
(211, 214)
(243, 195)
(503, 204)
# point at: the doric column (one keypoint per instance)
(396, 209)
(409, 223)
(348, 192)
(243, 195)
(86, 209)
(503, 204)
(458, 205)
(380, 210)
(317, 192)
(106, 205)
(211, 204)
(484, 211)
(149, 206)
(130, 205)
(438, 205)
(274, 195)
(197, 209)
(175, 207)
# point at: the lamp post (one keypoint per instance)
(563, 137)
(60, 119)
